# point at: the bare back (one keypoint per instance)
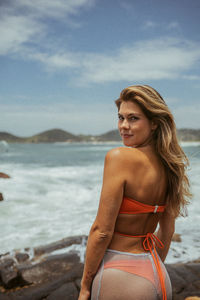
(145, 181)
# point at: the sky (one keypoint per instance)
(64, 62)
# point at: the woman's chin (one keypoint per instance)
(127, 143)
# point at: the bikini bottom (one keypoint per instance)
(129, 276)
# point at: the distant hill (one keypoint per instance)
(59, 135)
(10, 138)
(112, 135)
(49, 136)
(189, 134)
(183, 135)
(52, 136)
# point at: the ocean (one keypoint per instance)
(54, 193)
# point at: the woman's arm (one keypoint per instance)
(165, 233)
(102, 229)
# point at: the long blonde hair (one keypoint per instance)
(166, 144)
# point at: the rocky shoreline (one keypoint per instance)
(54, 271)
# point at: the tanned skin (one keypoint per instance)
(134, 171)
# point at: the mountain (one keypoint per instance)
(10, 138)
(52, 136)
(59, 135)
(49, 136)
(186, 134)
(112, 135)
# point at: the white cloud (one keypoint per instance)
(24, 33)
(55, 61)
(191, 77)
(128, 6)
(39, 9)
(173, 25)
(23, 22)
(16, 31)
(145, 60)
(149, 24)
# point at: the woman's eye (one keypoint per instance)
(133, 118)
(121, 118)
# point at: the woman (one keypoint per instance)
(144, 184)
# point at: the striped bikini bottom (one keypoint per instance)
(129, 276)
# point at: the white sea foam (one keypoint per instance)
(189, 144)
(46, 204)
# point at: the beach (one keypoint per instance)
(54, 192)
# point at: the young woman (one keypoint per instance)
(144, 184)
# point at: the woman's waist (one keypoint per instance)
(127, 243)
(131, 253)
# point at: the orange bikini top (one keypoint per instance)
(131, 206)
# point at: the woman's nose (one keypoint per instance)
(125, 124)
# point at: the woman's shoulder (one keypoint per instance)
(122, 154)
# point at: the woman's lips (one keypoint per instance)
(126, 135)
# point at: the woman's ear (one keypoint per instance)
(154, 125)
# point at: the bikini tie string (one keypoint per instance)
(150, 242)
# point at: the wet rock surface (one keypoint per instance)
(176, 238)
(1, 197)
(185, 279)
(4, 175)
(54, 271)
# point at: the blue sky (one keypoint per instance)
(64, 62)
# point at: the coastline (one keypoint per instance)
(67, 171)
(54, 271)
(29, 274)
(59, 135)
(94, 142)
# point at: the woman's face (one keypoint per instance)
(134, 127)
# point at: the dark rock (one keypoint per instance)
(78, 283)
(195, 268)
(4, 296)
(1, 197)
(21, 257)
(176, 237)
(43, 290)
(52, 266)
(3, 175)
(8, 276)
(72, 240)
(182, 271)
(6, 262)
(178, 282)
(2, 256)
(197, 284)
(65, 292)
(185, 280)
(8, 272)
